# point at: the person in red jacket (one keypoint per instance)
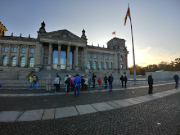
(100, 82)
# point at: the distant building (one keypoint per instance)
(62, 50)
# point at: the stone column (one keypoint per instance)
(92, 61)
(109, 63)
(27, 57)
(85, 58)
(50, 57)
(68, 58)
(0, 54)
(115, 62)
(9, 56)
(59, 57)
(103, 66)
(42, 55)
(17, 59)
(98, 61)
(76, 59)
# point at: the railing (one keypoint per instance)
(11, 84)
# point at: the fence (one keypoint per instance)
(11, 84)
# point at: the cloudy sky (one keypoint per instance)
(155, 23)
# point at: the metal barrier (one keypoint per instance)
(11, 84)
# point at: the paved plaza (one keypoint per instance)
(122, 111)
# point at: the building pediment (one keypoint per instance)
(62, 35)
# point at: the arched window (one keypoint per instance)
(5, 60)
(121, 58)
(31, 62)
(94, 65)
(88, 64)
(13, 61)
(106, 65)
(23, 60)
(100, 65)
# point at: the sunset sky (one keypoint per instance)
(156, 23)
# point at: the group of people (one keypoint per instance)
(76, 81)
(33, 79)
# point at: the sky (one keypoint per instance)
(155, 23)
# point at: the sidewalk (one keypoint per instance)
(55, 113)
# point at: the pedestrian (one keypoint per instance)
(110, 80)
(125, 80)
(176, 78)
(93, 79)
(105, 81)
(150, 83)
(48, 83)
(100, 82)
(82, 83)
(77, 82)
(122, 79)
(34, 81)
(68, 83)
(59, 81)
(56, 83)
(72, 83)
(89, 82)
(86, 82)
(31, 81)
(65, 82)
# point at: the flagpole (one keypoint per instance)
(133, 47)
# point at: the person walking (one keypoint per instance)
(89, 82)
(125, 80)
(48, 83)
(31, 81)
(122, 79)
(93, 79)
(100, 82)
(150, 83)
(105, 81)
(77, 82)
(110, 80)
(56, 83)
(68, 83)
(176, 78)
(72, 83)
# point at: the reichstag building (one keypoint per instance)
(61, 50)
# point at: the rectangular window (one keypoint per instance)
(105, 57)
(100, 56)
(100, 65)
(89, 55)
(106, 65)
(32, 50)
(5, 49)
(23, 50)
(94, 56)
(111, 57)
(14, 49)
(88, 64)
(121, 66)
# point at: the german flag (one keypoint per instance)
(127, 14)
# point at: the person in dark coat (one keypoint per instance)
(93, 79)
(176, 78)
(110, 80)
(125, 80)
(105, 81)
(122, 79)
(82, 83)
(150, 83)
(68, 83)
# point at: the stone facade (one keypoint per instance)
(31, 53)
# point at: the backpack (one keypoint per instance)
(34, 78)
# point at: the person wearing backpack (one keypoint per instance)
(34, 81)
(105, 81)
(110, 80)
(122, 79)
(125, 80)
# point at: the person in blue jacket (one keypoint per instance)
(77, 82)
